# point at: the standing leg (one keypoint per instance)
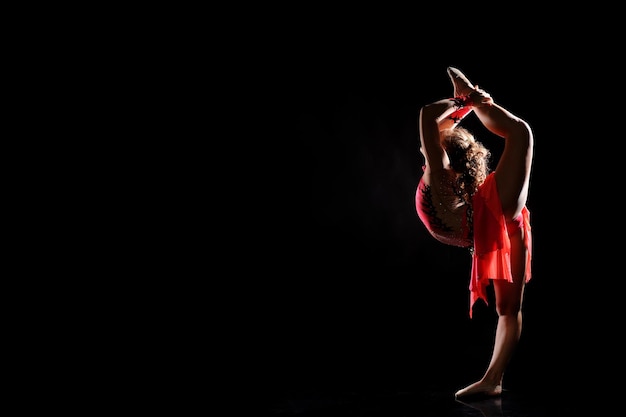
(508, 299)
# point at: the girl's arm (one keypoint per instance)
(434, 118)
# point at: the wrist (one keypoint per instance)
(461, 102)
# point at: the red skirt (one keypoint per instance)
(492, 246)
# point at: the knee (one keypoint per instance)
(508, 308)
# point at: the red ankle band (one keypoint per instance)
(462, 101)
(463, 105)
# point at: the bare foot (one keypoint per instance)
(462, 86)
(480, 98)
(479, 389)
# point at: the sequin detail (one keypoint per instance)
(432, 216)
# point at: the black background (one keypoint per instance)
(348, 289)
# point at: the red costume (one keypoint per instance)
(486, 230)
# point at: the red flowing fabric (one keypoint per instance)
(492, 246)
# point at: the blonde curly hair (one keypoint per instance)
(469, 158)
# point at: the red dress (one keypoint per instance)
(488, 231)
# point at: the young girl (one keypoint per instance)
(462, 203)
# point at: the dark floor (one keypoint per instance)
(370, 355)
(436, 402)
(381, 395)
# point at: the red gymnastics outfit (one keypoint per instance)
(484, 230)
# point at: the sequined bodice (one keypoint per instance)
(446, 217)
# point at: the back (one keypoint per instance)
(446, 216)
